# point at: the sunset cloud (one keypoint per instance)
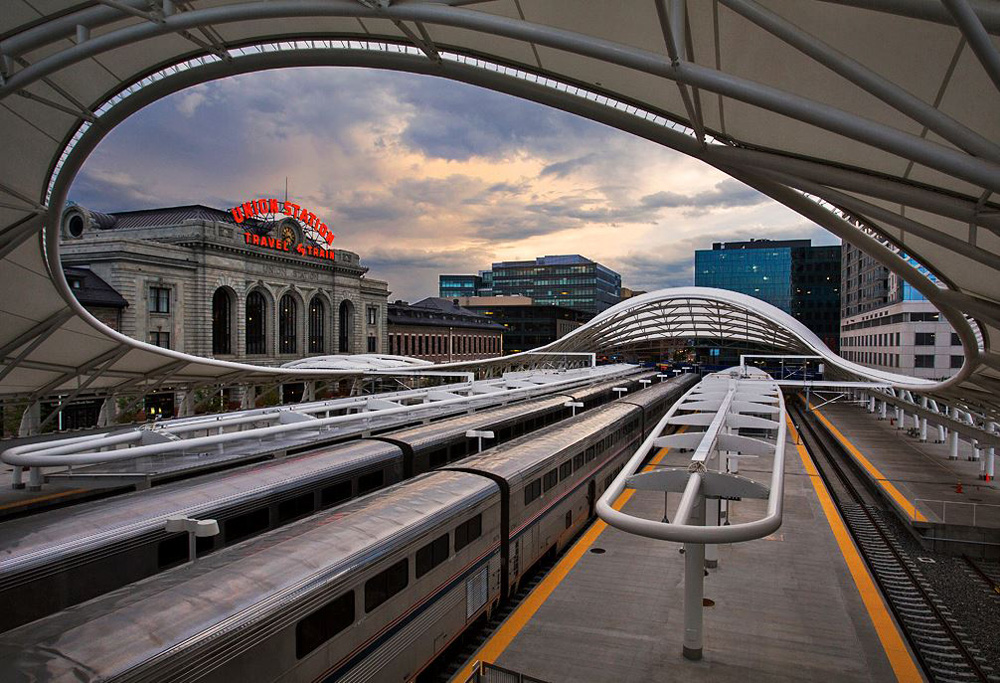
(421, 175)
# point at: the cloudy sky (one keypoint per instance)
(422, 176)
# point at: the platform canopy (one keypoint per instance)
(876, 119)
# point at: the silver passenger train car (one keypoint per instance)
(54, 559)
(370, 591)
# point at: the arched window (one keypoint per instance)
(256, 324)
(287, 314)
(317, 323)
(346, 315)
(221, 322)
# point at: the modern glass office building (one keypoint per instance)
(456, 286)
(792, 275)
(571, 281)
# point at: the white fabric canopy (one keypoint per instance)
(877, 119)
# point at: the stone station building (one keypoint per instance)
(257, 292)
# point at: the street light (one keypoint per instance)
(195, 528)
(477, 434)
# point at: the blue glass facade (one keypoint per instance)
(792, 275)
(454, 286)
(764, 273)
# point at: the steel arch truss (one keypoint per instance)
(910, 162)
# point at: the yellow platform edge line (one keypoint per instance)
(898, 654)
(27, 502)
(909, 508)
(508, 630)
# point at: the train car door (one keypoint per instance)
(592, 497)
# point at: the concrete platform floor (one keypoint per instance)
(787, 608)
(921, 473)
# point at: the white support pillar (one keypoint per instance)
(916, 421)
(31, 419)
(871, 404)
(942, 434)
(694, 587)
(976, 454)
(990, 453)
(712, 516)
(249, 399)
(882, 410)
(109, 412)
(923, 422)
(186, 408)
(901, 422)
(953, 445)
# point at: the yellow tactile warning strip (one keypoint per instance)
(900, 658)
(31, 501)
(909, 508)
(509, 629)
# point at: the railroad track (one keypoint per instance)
(939, 643)
(987, 572)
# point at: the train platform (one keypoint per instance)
(929, 490)
(798, 605)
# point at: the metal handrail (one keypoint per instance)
(690, 533)
(85, 450)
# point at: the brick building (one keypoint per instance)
(438, 330)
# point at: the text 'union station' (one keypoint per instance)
(262, 291)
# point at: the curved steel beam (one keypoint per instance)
(912, 147)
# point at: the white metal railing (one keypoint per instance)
(361, 414)
(723, 403)
(969, 513)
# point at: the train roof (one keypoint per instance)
(229, 590)
(595, 389)
(39, 538)
(657, 390)
(428, 434)
(521, 456)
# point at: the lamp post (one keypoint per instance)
(619, 391)
(195, 528)
(480, 435)
(574, 405)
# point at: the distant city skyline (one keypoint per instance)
(423, 176)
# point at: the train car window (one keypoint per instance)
(172, 550)
(565, 470)
(532, 491)
(591, 453)
(370, 482)
(296, 507)
(246, 524)
(431, 555)
(468, 531)
(439, 457)
(578, 461)
(383, 586)
(335, 493)
(323, 624)
(551, 479)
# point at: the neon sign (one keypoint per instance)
(269, 207)
(279, 244)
